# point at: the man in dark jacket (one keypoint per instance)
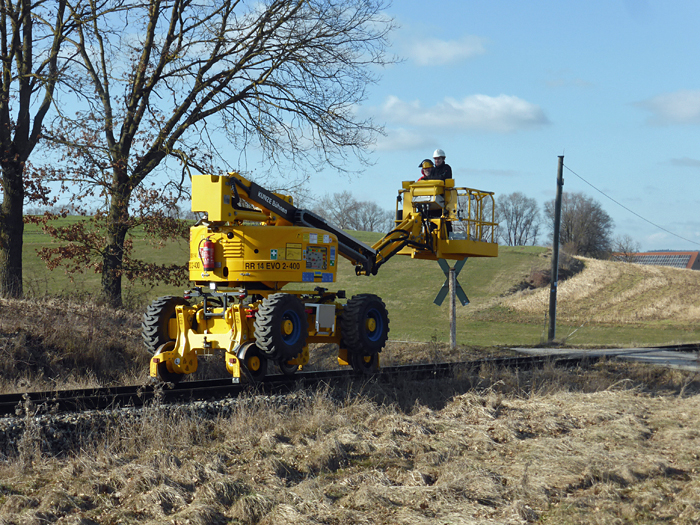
(441, 171)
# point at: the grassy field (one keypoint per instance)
(40, 282)
(613, 443)
(631, 305)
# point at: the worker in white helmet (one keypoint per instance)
(441, 171)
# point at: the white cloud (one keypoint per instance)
(435, 52)
(399, 139)
(681, 107)
(501, 114)
(658, 239)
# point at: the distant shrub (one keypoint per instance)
(541, 277)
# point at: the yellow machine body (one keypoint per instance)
(254, 242)
(258, 253)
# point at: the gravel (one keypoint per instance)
(58, 434)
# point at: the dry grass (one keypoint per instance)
(51, 342)
(618, 293)
(57, 344)
(618, 444)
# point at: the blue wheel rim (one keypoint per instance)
(291, 339)
(376, 334)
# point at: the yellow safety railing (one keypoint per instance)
(473, 214)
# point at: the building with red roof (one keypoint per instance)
(689, 260)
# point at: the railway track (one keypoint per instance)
(136, 396)
(687, 347)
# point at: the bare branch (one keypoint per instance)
(153, 79)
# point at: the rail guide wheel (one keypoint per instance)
(281, 326)
(364, 363)
(288, 369)
(254, 360)
(365, 330)
(165, 371)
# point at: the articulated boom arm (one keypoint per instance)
(407, 233)
(437, 221)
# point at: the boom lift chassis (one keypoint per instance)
(254, 243)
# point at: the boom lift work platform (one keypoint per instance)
(253, 243)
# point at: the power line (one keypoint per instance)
(631, 211)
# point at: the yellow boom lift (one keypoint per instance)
(254, 242)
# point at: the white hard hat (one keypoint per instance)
(439, 153)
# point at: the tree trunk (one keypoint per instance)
(11, 230)
(113, 258)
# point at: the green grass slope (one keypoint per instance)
(40, 282)
(409, 286)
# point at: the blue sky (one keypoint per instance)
(504, 87)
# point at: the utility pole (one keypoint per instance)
(555, 254)
(453, 310)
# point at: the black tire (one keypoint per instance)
(154, 327)
(164, 374)
(281, 326)
(254, 360)
(287, 368)
(364, 325)
(364, 363)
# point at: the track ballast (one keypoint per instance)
(138, 395)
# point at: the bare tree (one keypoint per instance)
(344, 211)
(586, 229)
(338, 209)
(626, 248)
(168, 78)
(32, 34)
(372, 218)
(520, 219)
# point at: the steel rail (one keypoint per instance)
(137, 395)
(685, 347)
